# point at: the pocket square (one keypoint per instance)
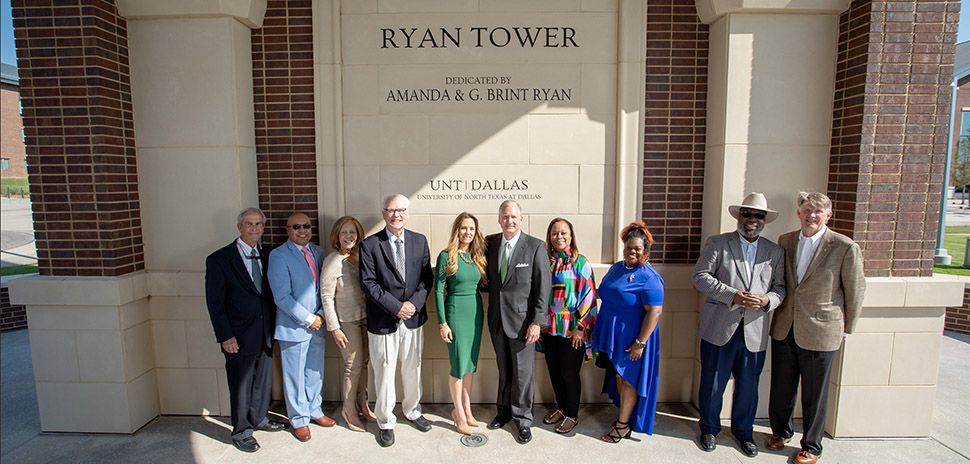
(522, 265)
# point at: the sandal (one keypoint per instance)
(554, 417)
(614, 436)
(567, 425)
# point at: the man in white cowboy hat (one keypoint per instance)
(743, 277)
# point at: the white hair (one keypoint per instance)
(395, 196)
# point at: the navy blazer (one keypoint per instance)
(236, 308)
(383, 287)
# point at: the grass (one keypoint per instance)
(955, 242)
(18, 270)
(14, 186)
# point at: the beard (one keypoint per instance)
(750, 234)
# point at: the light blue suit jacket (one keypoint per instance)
(297, 295)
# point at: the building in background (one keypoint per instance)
(149, 125)
(12, 151)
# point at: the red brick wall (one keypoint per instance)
(76, 96)
(958, 318)
(11, 316)
(283, 96)
(11, 132)
(892, 103)
(674, 129)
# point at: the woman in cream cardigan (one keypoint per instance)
(343, 311)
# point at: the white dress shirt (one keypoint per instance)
(805, 252)
(246, 251)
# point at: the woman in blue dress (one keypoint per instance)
(626, 336)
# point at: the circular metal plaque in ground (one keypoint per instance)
(474, 440)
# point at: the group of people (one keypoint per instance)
(804, 294)
(370, 293)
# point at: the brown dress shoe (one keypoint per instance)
(777, 443)
(302, 433)
(324, 421)
(804, 457)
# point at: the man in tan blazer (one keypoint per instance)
(825, 285)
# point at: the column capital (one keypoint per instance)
(248, 12)
(711, 10)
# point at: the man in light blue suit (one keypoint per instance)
(294, 270)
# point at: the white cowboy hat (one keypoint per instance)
(757, 201)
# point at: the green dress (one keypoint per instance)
(462, 310)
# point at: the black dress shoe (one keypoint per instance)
(271, 426)
(748, 447)
(498, 422)
(248, 444)
(385, 437)
(524, 436)
(708, 442)
(421, 424)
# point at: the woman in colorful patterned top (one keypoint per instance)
(459, 270)
(572, 311)
(627, 337)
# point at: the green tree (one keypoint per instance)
(960, 173)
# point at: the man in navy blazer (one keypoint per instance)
(294, 275)
(395, 275)
(240, 305)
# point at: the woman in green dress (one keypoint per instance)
(459, 270)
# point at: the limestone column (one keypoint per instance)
(192, 88)
(769, 109)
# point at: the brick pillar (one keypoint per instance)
(285, 137)
(675, 123)
(76, 98)
(90, 336)
(892, 105)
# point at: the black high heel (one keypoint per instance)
(614, 436)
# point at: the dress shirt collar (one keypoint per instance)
(814, 238)
(245, 249)
(512, 241)
(393, 238)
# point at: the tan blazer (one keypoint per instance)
(828, 301)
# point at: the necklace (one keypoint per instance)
(465, 256)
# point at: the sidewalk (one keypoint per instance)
(17, 235)
(205, 440)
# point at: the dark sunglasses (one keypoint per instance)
(300, 226)
(749, 215)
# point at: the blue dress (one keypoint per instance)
(624, 293)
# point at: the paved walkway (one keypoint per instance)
(204, 440)
(17, 234)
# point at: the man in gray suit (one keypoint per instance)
(743, 276)
(518, 291)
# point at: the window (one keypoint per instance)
(4, 164)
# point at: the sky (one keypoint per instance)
(9, 55)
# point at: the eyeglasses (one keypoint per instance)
(749, 215)
(394, 211)
(300, 226)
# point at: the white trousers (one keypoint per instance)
(404, 345)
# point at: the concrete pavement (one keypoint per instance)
(17, 233)
(172, 439)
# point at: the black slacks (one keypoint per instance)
(564, 363)
(789, 364)
(250, 378)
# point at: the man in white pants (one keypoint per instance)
(395, 275)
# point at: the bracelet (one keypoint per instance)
(637, 342)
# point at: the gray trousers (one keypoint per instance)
(516, 370)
